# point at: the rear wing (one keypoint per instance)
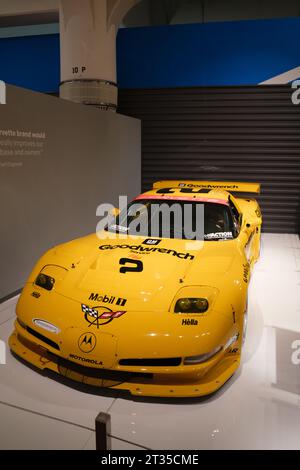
(225, 185)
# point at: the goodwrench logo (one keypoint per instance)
(2, 92)
(2, 353)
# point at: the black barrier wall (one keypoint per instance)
(58, 162)
(238, 133)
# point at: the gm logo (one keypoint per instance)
(151, 241)
(2, 92)
(2, 353)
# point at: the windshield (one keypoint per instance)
(175, 219)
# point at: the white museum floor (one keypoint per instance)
(259, 408)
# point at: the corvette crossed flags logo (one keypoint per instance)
(96, 318)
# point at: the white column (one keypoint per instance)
(88, 53)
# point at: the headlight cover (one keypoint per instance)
(49, 276)
(191, 305)
(194, 300)
(44, 281)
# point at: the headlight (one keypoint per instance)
(44, 281)
(202, 357)
(191, 305)
(50, 274)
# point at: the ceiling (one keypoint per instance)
(160, 12)
(156, 12)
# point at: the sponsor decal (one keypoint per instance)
(211, 236)
(190, 188)
(107, 299)
(142, 249)
(151, 241)
(100, 318)
(188, 322)
(233, 351)
(46, 325)
(258, 212)
(36, 295)
(86, 360)
(87, 342)
(246, 272)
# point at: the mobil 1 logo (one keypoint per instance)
(107, 299)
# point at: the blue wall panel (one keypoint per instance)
(229, 53)
(31, 62)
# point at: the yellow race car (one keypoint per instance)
(161, 315)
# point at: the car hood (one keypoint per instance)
(142, 276)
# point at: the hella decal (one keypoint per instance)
(46, 325)
(191, 322)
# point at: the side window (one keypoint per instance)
(237, 218)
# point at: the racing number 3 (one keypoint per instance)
(136, 266)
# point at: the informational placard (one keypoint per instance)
(58, 162)
(20, 143)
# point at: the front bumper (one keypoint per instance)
(142, 384)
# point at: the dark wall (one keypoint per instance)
(228, 133)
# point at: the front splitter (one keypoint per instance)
(140, 385)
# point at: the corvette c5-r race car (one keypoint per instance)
(154, 316)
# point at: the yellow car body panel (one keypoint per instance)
(108, 328)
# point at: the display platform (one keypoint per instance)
(259, 408)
